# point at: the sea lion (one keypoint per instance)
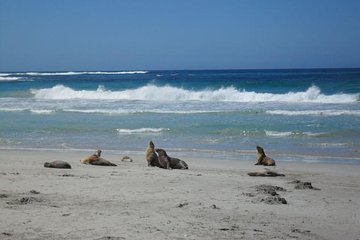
(57, 164)
(169, 162)
(126, 159)
(102, 162)
(95, 159)
(151, 156)
(262, 159)
(92, 158)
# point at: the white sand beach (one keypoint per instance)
(214, 199)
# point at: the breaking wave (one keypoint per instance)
(7, 78)
(35, 111)
(103, 111)
(292, 134)
(141, 130)
(79, 73)
(136, 111)
(315, 112)
(168, 93)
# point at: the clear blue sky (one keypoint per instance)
(44, 35)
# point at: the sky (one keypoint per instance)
(76, 35)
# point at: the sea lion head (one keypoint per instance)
(47, 164)
(260, 150)
(98, 152)
(151, 144)
(161, 152)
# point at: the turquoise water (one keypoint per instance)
(298, 115)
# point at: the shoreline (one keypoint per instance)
(243, 155)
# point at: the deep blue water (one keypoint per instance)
(295, 114)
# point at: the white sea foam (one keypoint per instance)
(141, 130)
(42, 111)
(12, 109)
(292, 134)
(4, 74)
(118, 73)
(278, 134)
(6, 78)
(35, 111)
(168, 93)
(79, 73)
(135, 111)
(315, 112)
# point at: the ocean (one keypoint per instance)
(310, 115)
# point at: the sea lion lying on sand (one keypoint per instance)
(169, 162)
(127, 159)
(265, 173)
(262, 159)
(92, 158)
(151, 156)
(95, 159)
(57, 164)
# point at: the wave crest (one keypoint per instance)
(79, 73)
(315, 112)
(292, 134)
(6, 78)
(141, 130)
(168, 93)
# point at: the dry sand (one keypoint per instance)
(214, 199)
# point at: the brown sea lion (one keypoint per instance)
(57, 164)
(102, 162)
(262, 159)
(92, 158)
(151, 156)
(95, 159)
(169, 162)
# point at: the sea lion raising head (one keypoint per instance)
(151, 157)
(98, 153)
(262, 159)
(57, 164)
(95, 159)
(169, 162)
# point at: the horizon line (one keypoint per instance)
(197, 69)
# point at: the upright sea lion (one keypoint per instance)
(169, 162)
(95, 159)
(151, 156)
(262, 159)
(57, 164)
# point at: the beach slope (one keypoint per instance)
(214, 199)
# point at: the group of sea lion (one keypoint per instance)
(159, 158)
(93, 159)
(154, 157)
